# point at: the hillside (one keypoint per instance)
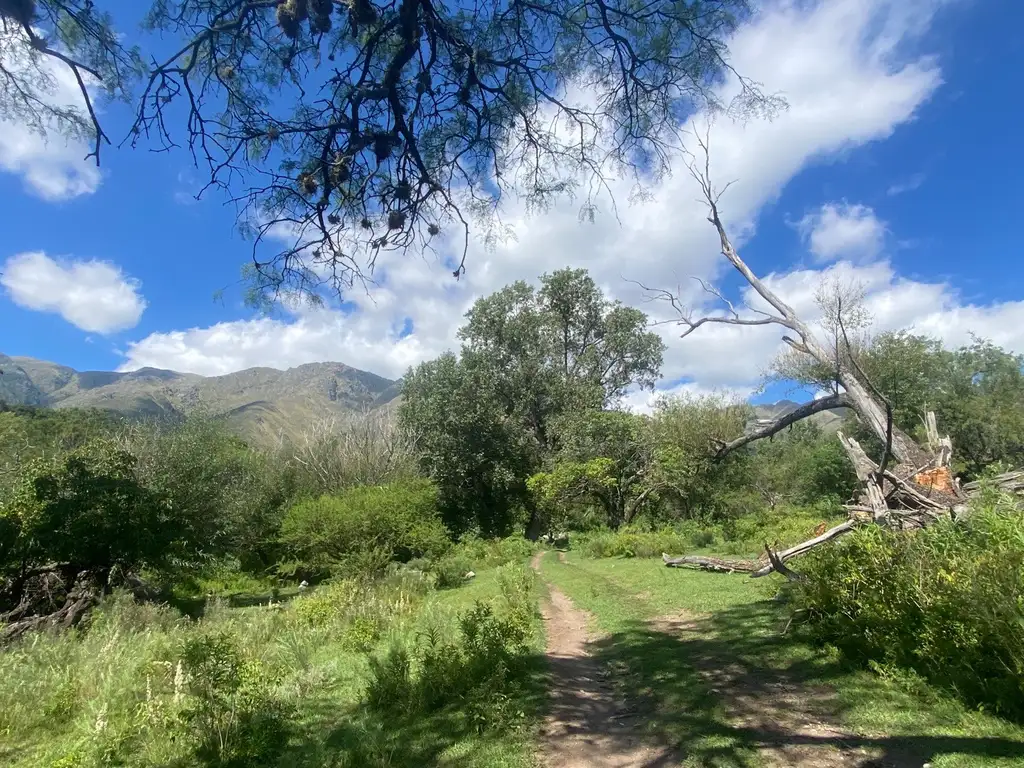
(253, 401)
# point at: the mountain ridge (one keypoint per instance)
(252, 401)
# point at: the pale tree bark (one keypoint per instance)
(918, 489)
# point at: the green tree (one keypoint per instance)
(228, 499)
(606, 458)
(979, 400)
(483, 421)
(688, 430)
(85, 511)
(475, 455)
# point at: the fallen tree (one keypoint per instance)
(910, 486)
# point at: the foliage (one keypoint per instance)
(474, 671)
(28, 432)
(87, 510)
(227, 497)
(380, 125)
(604, 457)
(475, 456)
(231, 711)
(801, 467)
(633, 543)
(945, 601)
(686, 428)
(529, 357)
(362, 529)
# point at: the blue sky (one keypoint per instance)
(897, 165)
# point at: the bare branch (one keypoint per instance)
(829, 403)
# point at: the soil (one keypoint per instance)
(586, 726)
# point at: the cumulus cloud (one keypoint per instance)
(95, 296)
(848, 72)
(51, 166)
(841, 230)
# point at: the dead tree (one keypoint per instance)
(911, 486)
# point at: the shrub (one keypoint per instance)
(231, 712)
(363, 528)
(450, 571)
(228, 497)
(85, 508)
(479, 670)
(631, 543)
(946, 602)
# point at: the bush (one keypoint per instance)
(450, 571)
(362, 529)
(86, 508)
(478, 671)
(631, 543)
(227, 497)
(231, 712)
(946, 602)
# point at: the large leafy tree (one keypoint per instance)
(483, 421)
(607, 459)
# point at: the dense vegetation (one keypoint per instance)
(126, 530)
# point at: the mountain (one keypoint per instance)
(252, 401)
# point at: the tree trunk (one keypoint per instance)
(872, 413)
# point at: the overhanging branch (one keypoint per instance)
(829, 403)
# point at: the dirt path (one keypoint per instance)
(586, 726)
(589, 727)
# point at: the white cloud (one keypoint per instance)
(841, 230)
(96, 296)
(907, 185)
(52, 167)
(844, 67)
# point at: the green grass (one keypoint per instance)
(108, 696)
(701, 687)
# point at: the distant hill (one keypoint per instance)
(255, 402)
(252, 401)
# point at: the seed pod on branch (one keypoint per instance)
(287, 22)
(307, 183)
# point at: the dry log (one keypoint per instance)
(807, 546)
(710, 563)
(47, 602)
(780, 567)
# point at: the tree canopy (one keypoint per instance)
(483, 421)
(362, 125)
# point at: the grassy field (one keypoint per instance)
(114, 696)
(702, 659)
(706, 660)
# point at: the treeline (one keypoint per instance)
(519, 433)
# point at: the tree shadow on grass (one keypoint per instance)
(728, 692)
